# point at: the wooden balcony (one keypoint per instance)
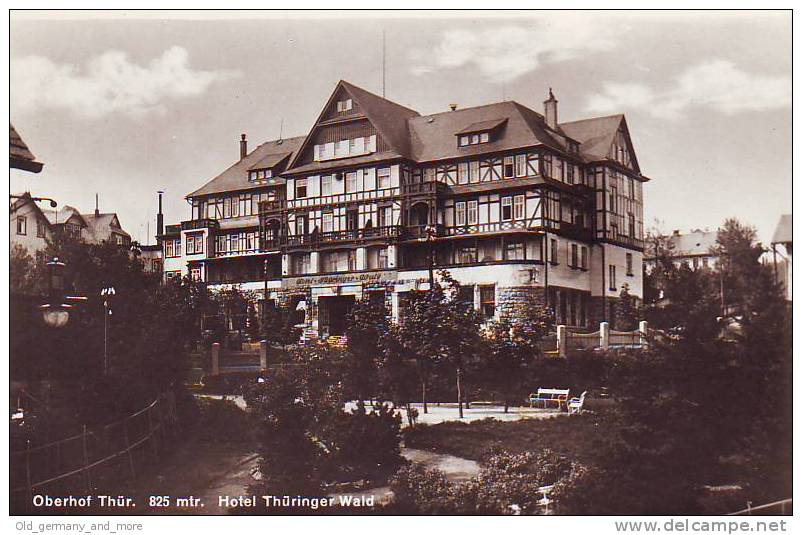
(199, 224)
(344, 236)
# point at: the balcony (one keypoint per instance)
(172, 229)
(422, 188)
(420, 232)
(266, 207)
(482, 228)
(200, 224)
(338, 236)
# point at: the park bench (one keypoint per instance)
(549, 396)
(575, 404)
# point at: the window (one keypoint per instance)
(506, 208)
(300, 225)
(487, 300)
(631, 221)
(382, 257)
(459, 214)
(341, 148)
(467, 254)
(352, 219)
(484, 137)
(22, 225)
(350, 182)
(300, 188)
(518, 207)
(631, 185)
(172, 275)
(520, 165)
(629, 264)
(509, 167)
(613, 285)
(195, 274)
(383, 177)
(474, 139)
(41, 230)
(194, 243)
(386, 216)
(328, 222)
(325, 185)
(569, 173)
(554, 251)
(464, 141)
(514, 251)
(344, 105)
(574, 255)
(584, 264)
(301, 264)
(629, 260)
(227, 207)
(462, 172)
(474, 171)
(473, 212)
(704, 261)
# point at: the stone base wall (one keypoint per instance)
(510, 298)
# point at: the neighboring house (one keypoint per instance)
(694, 250)
(94, 227)
(782, 247)
(512, 202)
(19, 155)
(151, 256)
(28, 225)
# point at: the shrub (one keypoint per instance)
(421, 490)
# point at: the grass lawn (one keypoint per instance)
(575, 437)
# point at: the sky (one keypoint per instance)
(124, 104)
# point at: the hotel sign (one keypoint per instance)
(345, 278)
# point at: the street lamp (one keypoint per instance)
(106, 293)
(55, 313)
(431, 233)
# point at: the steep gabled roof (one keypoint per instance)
(19, 155)
(597, 134)
(235, 178)
(23, 199)
(518, 127)
(59, 217)
(101, 225)
(784, 231)
(389, 119)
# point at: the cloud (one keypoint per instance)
(509, 51)
(717, 84)
(109, 83)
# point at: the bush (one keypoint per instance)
(420, 490)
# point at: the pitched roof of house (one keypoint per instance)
(20, 156)
(101, 225)
(595, 134)
(518, 126)
(784, 233)
(235, 178)
(21, 199)
(61, 215)
(695, 243)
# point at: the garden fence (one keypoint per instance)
(604, 339)
(84, 460)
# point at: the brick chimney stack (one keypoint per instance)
(160, 218)
(243, 146)
(550, 110)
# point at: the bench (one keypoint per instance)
(575, 404)
(549, 396)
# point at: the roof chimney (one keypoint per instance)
(676, 232)
(243, 147)
(453, 107)
(97, 206)
(550, 110)
(160, 218)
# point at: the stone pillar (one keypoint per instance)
(604, 334)
(477, 298)
(216, 358)
(263, 356)
(285, 264)
(562, 348)
(394, 306)
(314, 262)
(361, 258)
(643, 327)
(392, 256)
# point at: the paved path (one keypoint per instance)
(448, 412)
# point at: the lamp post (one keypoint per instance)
(106, 293)
(431, 233)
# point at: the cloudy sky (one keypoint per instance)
(124, 107)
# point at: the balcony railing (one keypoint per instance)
(272, 206)
(198, 224)
(423, 187)
(172, 229)
(488, 227)
(345, 235)
(418, 232)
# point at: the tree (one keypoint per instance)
(628, 311)
(366, 324)
(513, 344)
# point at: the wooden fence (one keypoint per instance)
(604, 339)
(79, 463)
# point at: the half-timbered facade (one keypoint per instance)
(509, 200)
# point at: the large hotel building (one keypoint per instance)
(509, 200)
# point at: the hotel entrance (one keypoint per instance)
(332, 313)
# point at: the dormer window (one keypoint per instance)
(481, 132)
(345, 148)
(260, 174)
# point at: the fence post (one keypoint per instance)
(604, 335)
(562, 350)
(643, 327)
(263, 356)
(216, 358)
(87, 475)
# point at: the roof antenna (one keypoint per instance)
(384, 60)
(97, 205)
(281, 133)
